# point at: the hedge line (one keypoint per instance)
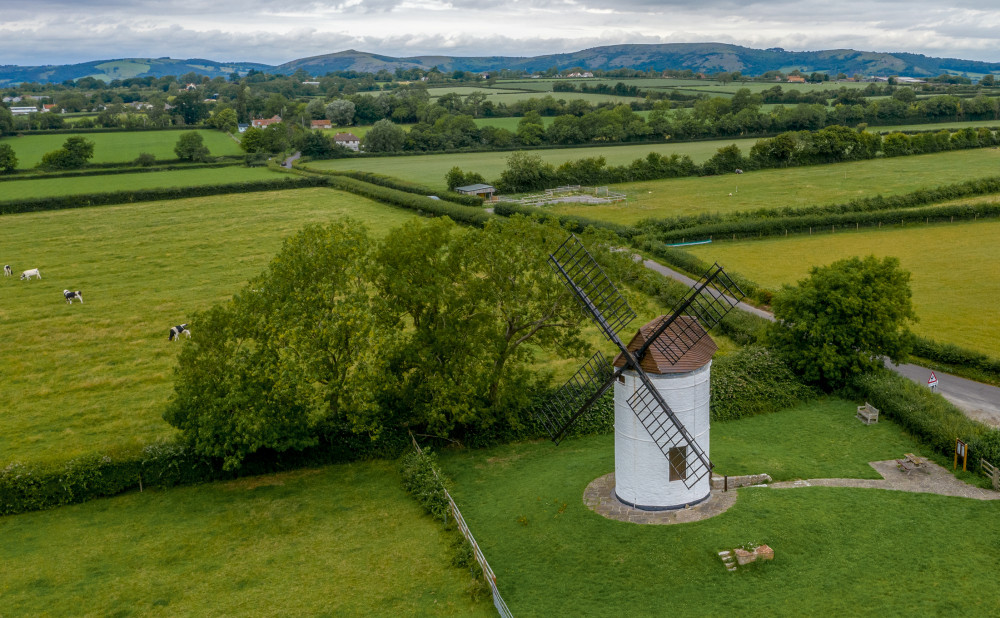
(572, 222)
(402, 185)
(921, 197)
(420, 203)
(34, 487)
(927, 415)
(146, 195)
(166, 165)
(829, 222)
(66, 130)
(951, 354)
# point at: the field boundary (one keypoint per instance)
(488, 574)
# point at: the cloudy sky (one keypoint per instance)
(65, 31)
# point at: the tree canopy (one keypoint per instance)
(428, 328)
(191, 147)
(384, 136)
(76, 151)
(844, 318)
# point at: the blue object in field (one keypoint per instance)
(693, 242)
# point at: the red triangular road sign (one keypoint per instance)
(932, 380)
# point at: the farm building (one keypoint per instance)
(348, 140)
(484, 191)
(322, 124)
(261, 123)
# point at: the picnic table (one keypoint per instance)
(911, 462)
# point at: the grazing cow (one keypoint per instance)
(70, 296)
(28, 274)
(175, 332)
(739, 171)
(7, 271)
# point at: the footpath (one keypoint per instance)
(980, 402)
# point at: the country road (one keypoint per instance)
(979, 401)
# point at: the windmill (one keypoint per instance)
(668, 359)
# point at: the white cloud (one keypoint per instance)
(63, 31)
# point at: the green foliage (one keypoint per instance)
(431, 328)
(224, 120)
(145, 195)
(145, 159)
(457, 178)
(8, 160)
(302, 348)
(753, 381)
(525, 172)
(843, 319)
(952, 354)
(421, 477)
(406, 186)
(318, 146)
(191, 147)
(384, 136)
(403, 199)
(76, 151)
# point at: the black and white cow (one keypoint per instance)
(28, 274)
(7, 271)
(175, 332)
(71, 296)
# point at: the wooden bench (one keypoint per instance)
(868, 413)
(906, 465)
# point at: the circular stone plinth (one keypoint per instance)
(600, 498)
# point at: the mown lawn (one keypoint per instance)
(955, 271)
(78, 378)
(795, 187)
(837, 551)
(118, 146)
(338, 541)
(50, 187)
(431, 169)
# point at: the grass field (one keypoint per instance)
(118, 146)
(837, 551)
(955, 268)
(49, 187)
(949, 126)
(336, 541)
(797, 186)
(83, 378)
(430, 169)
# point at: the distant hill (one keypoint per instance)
(699, 57)
(124, 68)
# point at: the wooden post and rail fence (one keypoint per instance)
(991, 471)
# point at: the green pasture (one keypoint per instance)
(467, 90)
(937, 126)
(795, 187)
(430, 169)
(50, 187)
(838, 551)
(118, 146)
(337, 541)
(90, 377)
(955, 271)
(590, 97)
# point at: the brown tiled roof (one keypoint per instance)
(655, 362)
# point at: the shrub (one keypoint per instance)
(422, 480)
(952, 354)
(145, 159)
(753, 381)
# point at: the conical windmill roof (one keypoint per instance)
(655, 361)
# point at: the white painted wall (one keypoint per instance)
(642, 474)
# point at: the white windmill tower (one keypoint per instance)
(661, 383)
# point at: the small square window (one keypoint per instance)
(677, 456)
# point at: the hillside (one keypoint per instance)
(698, 57)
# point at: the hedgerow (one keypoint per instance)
(753, 381)
(147, 195)
(403, 185)
(419, 203)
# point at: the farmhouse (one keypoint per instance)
(260, 123)
(796, 79)
(348, 140)
(322, 124)
(484, 191)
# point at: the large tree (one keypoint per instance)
(76, 151)
(384, 136)
(844, 318)
(8, 160)
(191, 147)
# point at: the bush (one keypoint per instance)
(145, 159)
(422, 480)
(951, 354)
(403, 185)
(420, 203)
(753, 381)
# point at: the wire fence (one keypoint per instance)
(488, 574)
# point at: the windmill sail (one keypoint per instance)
(577, 395)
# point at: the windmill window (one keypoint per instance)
(621, 379)
(678, 463)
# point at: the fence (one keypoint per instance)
(570, 194)
(488, 574)
(991, 471)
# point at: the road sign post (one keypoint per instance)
(932, 381)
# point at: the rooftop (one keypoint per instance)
(656, 362)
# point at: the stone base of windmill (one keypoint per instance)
(600, 497)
